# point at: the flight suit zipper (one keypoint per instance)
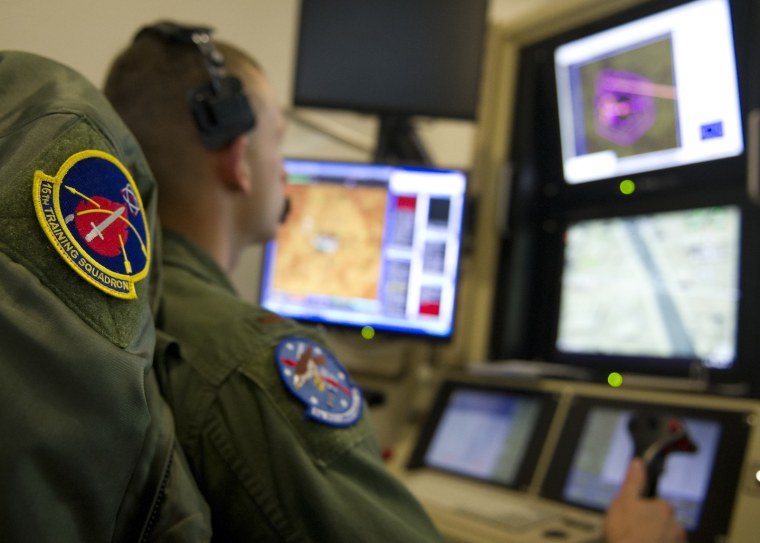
(158, 501)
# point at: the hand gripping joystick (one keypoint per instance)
(655, 436)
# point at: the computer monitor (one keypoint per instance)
(652, 292)
(368, 245)
(486, 432)
(391, 56)
(656, 92)
(543, 311)
(595, 448)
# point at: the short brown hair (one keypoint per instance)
(148, 85)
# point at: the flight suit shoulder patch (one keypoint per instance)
(93, 216)
(314, 376)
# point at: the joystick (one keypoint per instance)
(655, 436)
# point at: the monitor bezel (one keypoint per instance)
(695, 176)
(380, 329)
(524, 316)
(729, 457)
(662, 10)
(642, 364)
(525, 473)
(546, 309)
(375, 107)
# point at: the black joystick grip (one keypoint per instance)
(655, 436)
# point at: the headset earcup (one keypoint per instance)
(221, 114)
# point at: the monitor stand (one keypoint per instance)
(398, 142)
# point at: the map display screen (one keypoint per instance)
(368, 245)
(702, 482)
(654, 93)
(484, 434)
(605, 449)
(662, 285)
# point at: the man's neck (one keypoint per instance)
(212, 235)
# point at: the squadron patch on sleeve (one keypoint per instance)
(314, 376)
(92, 213)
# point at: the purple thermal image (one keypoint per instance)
(624, 105)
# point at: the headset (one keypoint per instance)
(220, 107)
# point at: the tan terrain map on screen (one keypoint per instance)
(332, 232)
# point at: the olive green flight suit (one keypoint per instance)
(87, 444)
(268, 472)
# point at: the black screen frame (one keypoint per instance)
(524, 320)
(436, 26)
(716, 512)
(700, 173)
(381, 331)
(697, 176)
(676, 367)
(548, 407)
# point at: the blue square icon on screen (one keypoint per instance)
(712, 130)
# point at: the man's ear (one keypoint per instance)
(232, 163)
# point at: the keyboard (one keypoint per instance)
(519, 516)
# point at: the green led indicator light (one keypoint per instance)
(627, 186)
(368, 332)
(614, 379)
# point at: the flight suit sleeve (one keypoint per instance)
(276, 476)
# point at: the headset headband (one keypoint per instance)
(220, 108)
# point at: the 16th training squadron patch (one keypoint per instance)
(92, 213)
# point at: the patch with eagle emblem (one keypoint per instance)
(314, 376)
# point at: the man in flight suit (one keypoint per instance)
(271, 467)
(273, 427)
(88, 447)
